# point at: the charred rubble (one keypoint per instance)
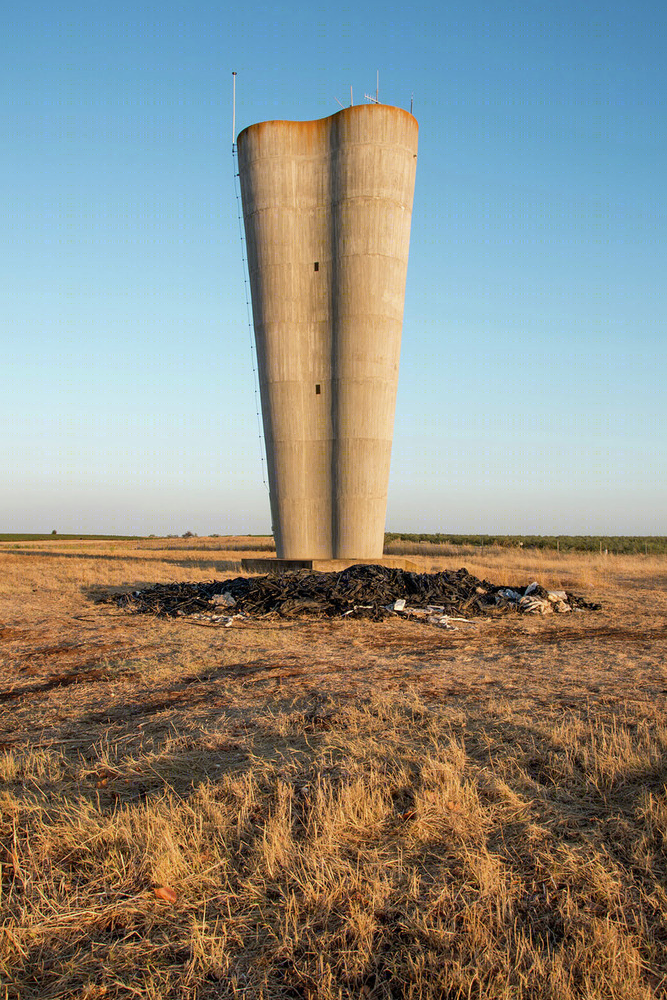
(365, 591)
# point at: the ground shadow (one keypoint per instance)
(99, 593)
(219, 565)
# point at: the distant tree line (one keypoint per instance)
(618, 544)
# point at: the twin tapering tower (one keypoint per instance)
(327, 207)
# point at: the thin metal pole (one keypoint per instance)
(351, 98)
(233, 109)
(246, 280)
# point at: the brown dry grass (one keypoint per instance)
(333, 809)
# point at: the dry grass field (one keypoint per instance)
(329, 809)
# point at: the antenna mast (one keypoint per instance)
(376, 99)
(246, 275)
(233, 110)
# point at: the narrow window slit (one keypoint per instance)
(317, 265)
(317, 388)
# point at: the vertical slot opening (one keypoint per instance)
(317, 389)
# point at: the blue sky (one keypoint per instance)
(531, 393)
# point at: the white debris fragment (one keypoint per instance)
(224, 600)
(220, 620)
(441, 621)
(558, 599)
(531, 605)
(508, 594)
(399, 604)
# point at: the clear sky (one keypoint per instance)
(532, 385)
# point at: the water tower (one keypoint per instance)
(327, 207)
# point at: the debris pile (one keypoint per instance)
(373, 592)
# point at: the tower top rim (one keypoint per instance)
(353, 109)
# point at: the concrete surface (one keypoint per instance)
(322, 565)
(327, 207)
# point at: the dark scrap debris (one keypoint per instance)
(363, 591)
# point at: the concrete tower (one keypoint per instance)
(327, 207)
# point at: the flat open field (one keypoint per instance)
(329, 808)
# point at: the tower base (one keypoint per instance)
(267, 566)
